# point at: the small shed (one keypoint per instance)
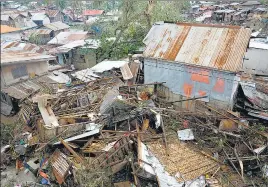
(55, 15)
(196, 60)
(80, 53)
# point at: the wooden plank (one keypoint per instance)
(89, 142)
(139, 144)
(77, 157)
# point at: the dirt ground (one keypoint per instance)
(12, 179)
(8, 120)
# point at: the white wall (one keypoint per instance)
(257, 62)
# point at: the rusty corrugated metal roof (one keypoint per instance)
(213, 46)
(52, 13)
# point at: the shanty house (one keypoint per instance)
(19, 62)
(7, 20)
(196, 60)
(57, 27)
(20, 20)
(38, 36)
(80, 53)
(55, 15)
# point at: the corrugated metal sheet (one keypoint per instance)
(67, 37)
(17, 46)
(212, 46)
(23, 89)
(90, 73)
(37, 32)
(11, 57)
(55, 26)
(60, 166)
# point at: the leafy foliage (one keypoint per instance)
(125, 36)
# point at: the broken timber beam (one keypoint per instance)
(77, 157)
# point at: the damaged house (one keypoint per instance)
(74, 48)
(196, 60)
(45, 33)
(20, 62)
(80, 53)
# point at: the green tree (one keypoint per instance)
(135, 20)
(62, 4)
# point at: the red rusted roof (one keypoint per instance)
(93, 12)
(213, 46)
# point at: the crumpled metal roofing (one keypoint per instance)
(23, 89)
(55, 26)
(212, 46)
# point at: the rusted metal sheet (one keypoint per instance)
(213, 46)
(60, 166)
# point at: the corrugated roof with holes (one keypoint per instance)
(213, 46)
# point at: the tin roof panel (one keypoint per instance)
(218, 47)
